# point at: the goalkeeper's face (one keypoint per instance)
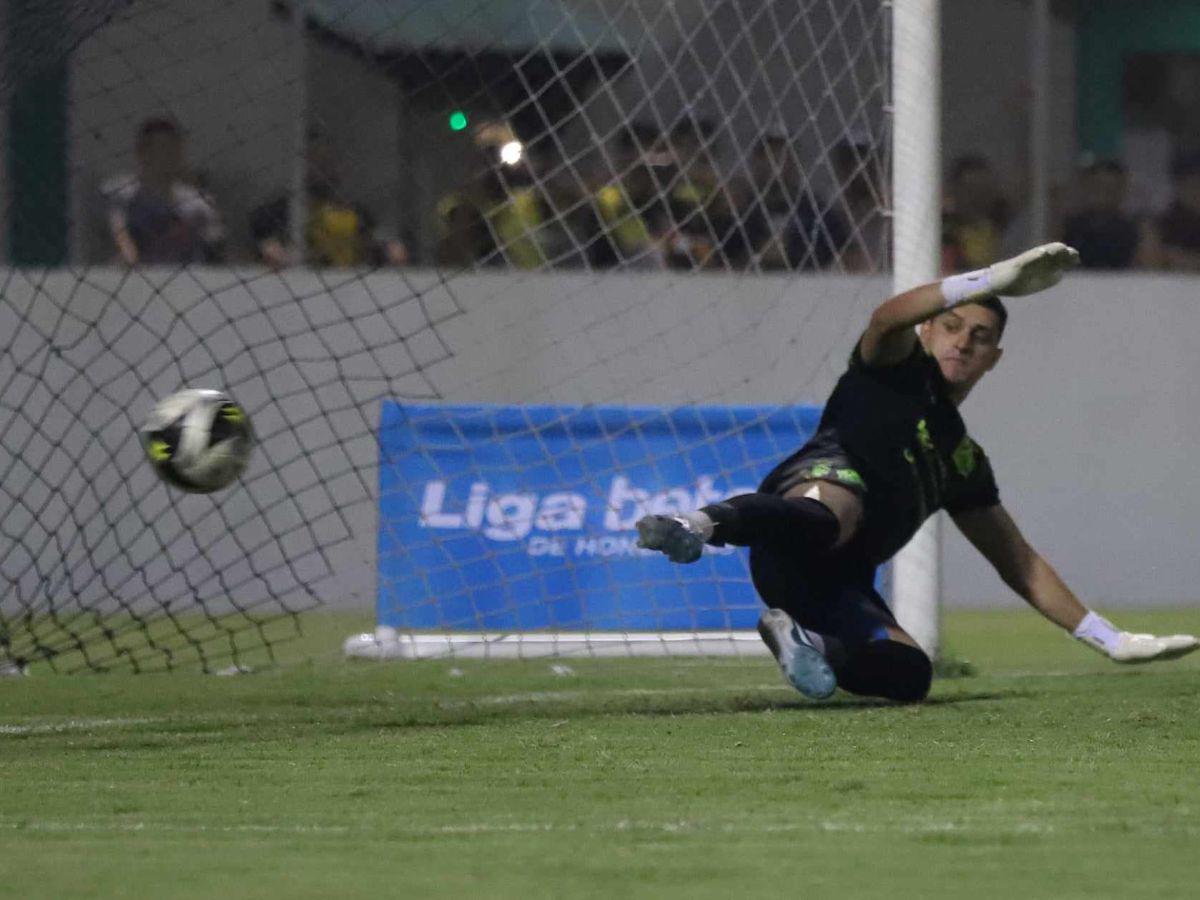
(965, 341)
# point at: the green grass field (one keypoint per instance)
(1050, 773)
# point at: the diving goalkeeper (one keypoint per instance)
(891, 449)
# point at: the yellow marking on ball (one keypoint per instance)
(159, 450)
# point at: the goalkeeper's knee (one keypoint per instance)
(888, 669)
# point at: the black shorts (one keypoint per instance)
(827, 596)
(821, 459)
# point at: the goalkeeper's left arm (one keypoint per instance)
(1022, 568)
(889, 337)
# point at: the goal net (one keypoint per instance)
(490, 278)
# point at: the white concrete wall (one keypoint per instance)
(310, 355)
(1090, 420)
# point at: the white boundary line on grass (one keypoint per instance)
(467, 829)
(42, 826)
(986, 829)
(44, 727)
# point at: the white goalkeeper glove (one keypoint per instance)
(1133, 648)
(1027, 273)
(1123, 647)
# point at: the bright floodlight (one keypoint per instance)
(510, 153)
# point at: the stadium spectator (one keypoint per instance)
(156, 216)
(499, 218)
(1172, 240)
(1154, 117)
(338, 232)
(976, 215)
(571, 234)
(699, 206)
(635, 221)
(859, 173)
(1100, 230)
(526, 208)
(786, 225)
(464, 237)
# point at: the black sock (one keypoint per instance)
(751, 519)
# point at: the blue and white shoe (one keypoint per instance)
(681, 538)
(803, 665)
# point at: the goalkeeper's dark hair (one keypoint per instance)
(993, 303)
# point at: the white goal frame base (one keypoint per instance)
(386, 643)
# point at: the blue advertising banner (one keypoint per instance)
(520, 518)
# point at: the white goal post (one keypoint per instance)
(916, 223)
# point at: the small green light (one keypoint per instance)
(458, 120)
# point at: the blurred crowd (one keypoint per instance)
(1093, 213)
(162, 214)
(658, 203)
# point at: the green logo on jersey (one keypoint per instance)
(820, 470)
(965, 456)
(849, 476)
(923, 436)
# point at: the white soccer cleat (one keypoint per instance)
(1138, 648)
(681, 538)
(804, 667)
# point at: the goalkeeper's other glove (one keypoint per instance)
(1123, 647)
(1133, 648)
(1026, 273)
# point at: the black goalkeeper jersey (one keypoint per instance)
(893, 434)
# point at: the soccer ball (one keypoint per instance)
(198, 440)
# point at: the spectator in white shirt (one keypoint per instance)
(157, 217)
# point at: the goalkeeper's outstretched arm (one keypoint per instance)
(1022, 568)
(889, 337)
